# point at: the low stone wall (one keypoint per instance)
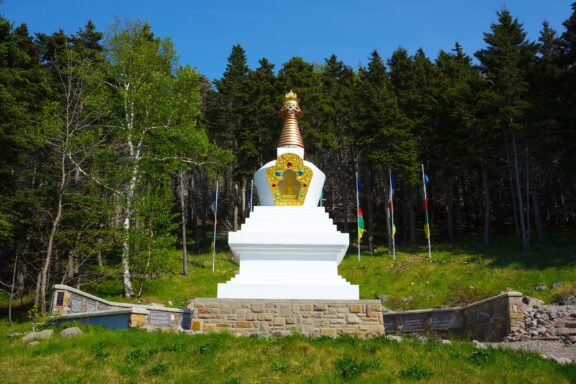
(73, 305)
(487, 320)
(282, 317)
(539, 321)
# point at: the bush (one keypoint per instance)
(416, 372)
(138, 357)
(208, 346)
(348, 367)
(482, 356)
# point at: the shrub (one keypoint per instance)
(98, 352)
(348, 367)
(482, 356)
(208, 346)
(138, 357)
(416, 372)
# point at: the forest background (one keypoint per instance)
(110, 149)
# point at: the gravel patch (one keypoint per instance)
(553, 350)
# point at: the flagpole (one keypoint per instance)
(427, 223)
(358, 215)
(251, 195)
(391, 197)
(214, 233)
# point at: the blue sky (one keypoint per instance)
(204, 31)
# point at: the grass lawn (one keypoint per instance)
(100, 356)
(456, 275)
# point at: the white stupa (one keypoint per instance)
(289, 248)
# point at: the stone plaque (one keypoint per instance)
(500, 311)
(444, 320)
(160, 318)
(389, 323)
(60, 299)
(413, 323)
(75, 305)
(90, 306)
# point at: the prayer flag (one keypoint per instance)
(360, 223)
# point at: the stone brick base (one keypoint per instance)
(283, 317)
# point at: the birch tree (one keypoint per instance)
(155, 121)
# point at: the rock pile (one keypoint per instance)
(545, 322)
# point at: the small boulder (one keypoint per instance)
(72, 331)
(383, 298)
(407, 299)
(562, 360)
(45, 334)
(556, 284)
(394, 338)
(33, 343)
(540, 287)
(478, 344)
(446, 342)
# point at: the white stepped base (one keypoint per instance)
(288, 253)
(288, 291)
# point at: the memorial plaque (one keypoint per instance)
(444, 320)
(90, 306)
(75, 305)
(412, 323)
(186, 320)
(60, 298)
(500, 311)
(160, 318)
(389, 323)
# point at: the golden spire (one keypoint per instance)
(291, 113)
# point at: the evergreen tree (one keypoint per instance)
(505, 62)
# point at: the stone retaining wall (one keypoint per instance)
(538, 321)
(282, 317)
(487, 320)
(73, 305)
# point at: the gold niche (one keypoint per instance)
(289, 180)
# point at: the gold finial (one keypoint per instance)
(291, 113)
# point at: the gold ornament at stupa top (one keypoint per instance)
(291, 113)
(289, 179)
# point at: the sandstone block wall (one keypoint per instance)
(282, 317)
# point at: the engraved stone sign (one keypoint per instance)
(75, 305)
(412, 323)
(389, 323)
(60, 298)
(444, 320)
(90, 306)
(500, 310)
(160, 318)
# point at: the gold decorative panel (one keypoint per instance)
(289, 180)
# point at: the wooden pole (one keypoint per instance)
(214, 232)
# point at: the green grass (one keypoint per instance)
(135, 356)
(456, 275)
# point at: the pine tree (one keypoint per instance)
(505, 62)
